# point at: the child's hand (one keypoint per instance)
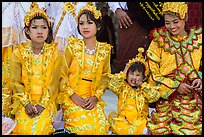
(126, 69)
(90, 102)
(38, 109)
(139, 83)
(79, 101)
(30, 110)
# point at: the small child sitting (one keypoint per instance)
(134, 95)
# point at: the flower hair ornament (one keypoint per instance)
(181, 8)
(35, 11)
(140, 59)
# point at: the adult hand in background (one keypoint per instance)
(123, 18)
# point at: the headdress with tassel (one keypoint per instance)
(35, 11)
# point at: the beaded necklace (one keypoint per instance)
(90, 52)
(37, 55)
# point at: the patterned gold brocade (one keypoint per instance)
(169, 54)
(77, 65)
(35, 80)
(132, 105)
(6, 90)
(172, 61)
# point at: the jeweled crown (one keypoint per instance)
(176, 7)
(90, 7)
(139, 58)
(35, 11)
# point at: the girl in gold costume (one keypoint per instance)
(35, 68)
(174, 58)
(134, 95)
(85, 68)
(12, 34)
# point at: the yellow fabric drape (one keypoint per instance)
(6, 90)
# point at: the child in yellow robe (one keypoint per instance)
(35, 69)
(134, 95)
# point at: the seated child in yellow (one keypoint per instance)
(134, 95)
(35, 69)
(85, 68)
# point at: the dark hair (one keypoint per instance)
(90, 16)
(49, 37)
(137, 66)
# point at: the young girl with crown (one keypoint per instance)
(85, 68)
(134, 95)
(12, 35)
(174, 58)
(35, 68)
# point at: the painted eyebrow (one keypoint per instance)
(87, 20)
(38, 25)
(172, 20)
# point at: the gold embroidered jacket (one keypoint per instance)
(35, 76)
(73, 65)
(173, 60)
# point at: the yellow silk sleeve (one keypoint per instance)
(167, 85)
(116, 82)
(104, 78)
(65, 88)
(151, 92)
(20, 97)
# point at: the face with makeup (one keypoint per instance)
(174, 24)
(38, 30)
(87, 26)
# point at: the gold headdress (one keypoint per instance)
(176, 7)
(139, 58)
(90, 7)
(35, 11)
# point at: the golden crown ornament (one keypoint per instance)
(139, 58)
(35, 11)
(181, 8)
(90, 7)
(68, 7)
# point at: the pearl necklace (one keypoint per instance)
(90, 52)
(37, 55)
